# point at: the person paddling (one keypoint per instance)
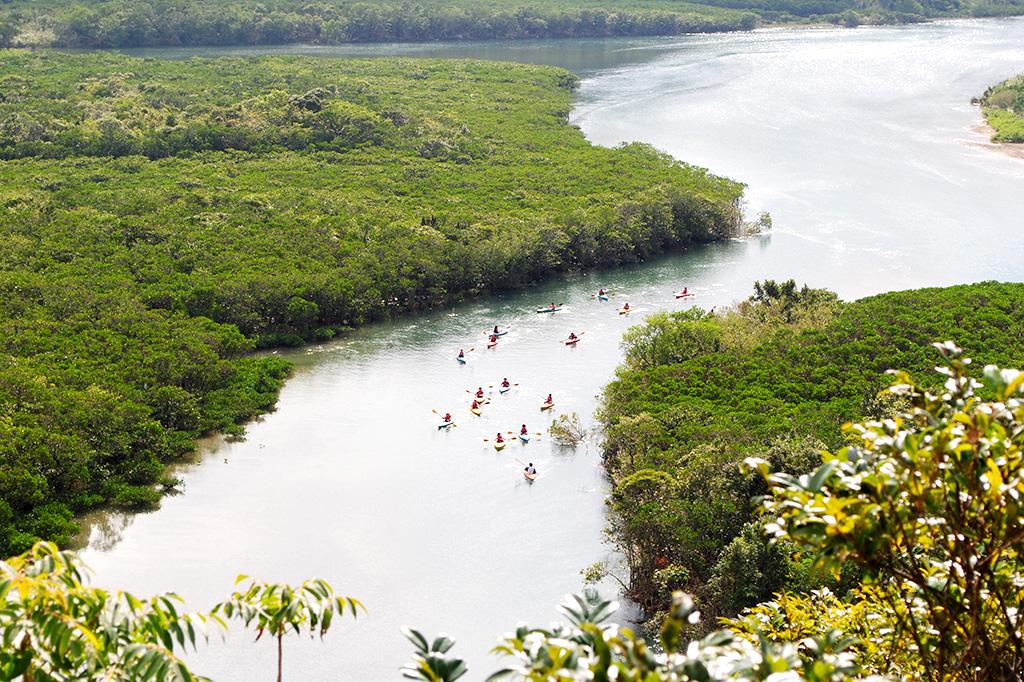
(493, 339)
(625, 307)
(601, 292)
(499, 438)
(475, 405)
(686, 291)
(572, 336)
(530, 469)
(552, 306)
(480, 392)
(447, 418)
(523, 431)
(549, 400)
(496, 330)
(462, 354)
(504, 383)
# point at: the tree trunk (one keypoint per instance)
(279, 638)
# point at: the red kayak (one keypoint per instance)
(572, 342)
(686, 295)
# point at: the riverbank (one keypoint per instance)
(1012, 149)
(164, 217)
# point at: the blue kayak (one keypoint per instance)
(602, 298)
(504, 389)
(445, 425)
(501, 333)
(462, 361)
(549, 310)
(524, 438)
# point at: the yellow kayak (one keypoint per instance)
(624, 311)
(475, 410)
(499, 446)
(546, 406)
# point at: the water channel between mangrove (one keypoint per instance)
(860, 144)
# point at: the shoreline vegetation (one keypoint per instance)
(774, 377)
(1002, 105)
(154, 23)
(163, 219)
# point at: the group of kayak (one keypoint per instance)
(480, 398)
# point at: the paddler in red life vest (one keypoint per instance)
(549, 400)
(552, 306)
(496, 330)
(600, 292)
(504, 383)
(625, 307)
(475, 406)
(572, 336)
(686, 292)
(462, 354)
(493, 339)
(523, 431)
(480, 393)
(499, 439)
(447, 418)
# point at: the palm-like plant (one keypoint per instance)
(278, 608)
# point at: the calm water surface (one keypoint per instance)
(859, 143)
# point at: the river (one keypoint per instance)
(862, 146)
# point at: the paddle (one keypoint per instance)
(578, 336)
(454, 425)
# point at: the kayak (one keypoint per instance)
(625, 311)
(445, 425)
(549, 310)
(462, 361)
(546, 406)
(499, 446)
(523, 437)
(602, 297)
(572, 342)
(492, 344)
(476, 411)
(500, 333)
(528, 476)
(504, 389)
(690, 295)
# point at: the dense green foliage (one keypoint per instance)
(1003, 105)
(927, 503)
(116, 23)
(159, 219)
(775, 377)
(55, 626)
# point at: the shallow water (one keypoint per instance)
(859, 143)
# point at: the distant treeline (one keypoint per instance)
(1003, 105)
(160, 219)
(142, 23)
(775, 377)
(148, 23)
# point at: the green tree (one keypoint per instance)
(278, 608)
(928, 505)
